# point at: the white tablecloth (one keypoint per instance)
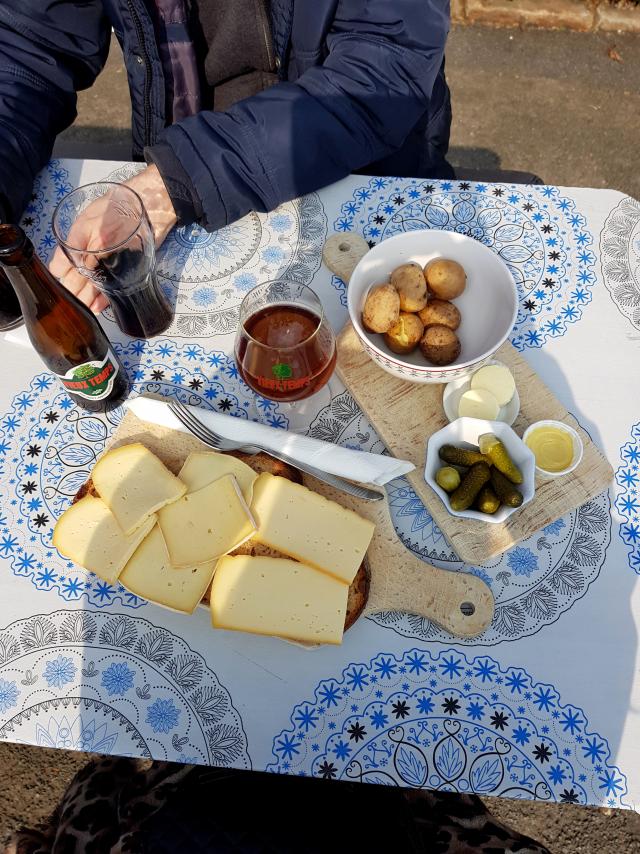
(544, 705)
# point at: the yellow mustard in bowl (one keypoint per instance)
(556, 447)
(552, 448)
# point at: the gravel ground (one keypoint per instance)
(32, 779)
(584, 107)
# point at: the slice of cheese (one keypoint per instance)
(276, 596)
(307, 526)
(89, 534)
(133, 483)
(149, 574)
(202, 468)
(497, 379)
(206, 524)
(478, 403)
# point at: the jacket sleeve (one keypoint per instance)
(48, 50)
(357, 107)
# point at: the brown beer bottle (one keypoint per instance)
(63, 331)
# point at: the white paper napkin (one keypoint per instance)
(360, 466)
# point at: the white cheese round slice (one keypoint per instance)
(496, 379)
(478, 403)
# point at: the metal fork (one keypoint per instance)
(214, 440)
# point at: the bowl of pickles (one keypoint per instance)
(480, 469)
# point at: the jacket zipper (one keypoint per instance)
(273, 62)
(147, 76)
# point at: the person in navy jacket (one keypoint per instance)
(237, 105)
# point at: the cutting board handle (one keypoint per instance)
(342, 252)
(459, 602)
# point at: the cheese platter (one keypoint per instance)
(288, 555)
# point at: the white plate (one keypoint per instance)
(464, 432)
(454, 390)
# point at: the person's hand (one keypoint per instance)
(95, 227)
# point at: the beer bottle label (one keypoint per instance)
(93, 380)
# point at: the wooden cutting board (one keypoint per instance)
(406, 414)
(459, 602)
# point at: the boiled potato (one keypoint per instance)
(381, 308)
(404, 335)
(440, 345)
(446, 279)
(439, 312)
(408, 280)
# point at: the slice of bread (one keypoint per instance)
(359, 588)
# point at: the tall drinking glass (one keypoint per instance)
(285, 348)
(104, 231)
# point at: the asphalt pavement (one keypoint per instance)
(563, 105)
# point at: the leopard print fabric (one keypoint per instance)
(128, 806)
(102, 811)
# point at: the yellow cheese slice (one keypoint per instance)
(497, 379)
(478, 403)
(133, 483)
(89, 534)
(307, 526)
(206, 524)
(202, 468)
(149, 574)
(276, 596)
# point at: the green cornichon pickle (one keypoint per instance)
(448, 478)
(487, 501)
(473, 481)
(505, 490)
(493, 448)
(461, 456)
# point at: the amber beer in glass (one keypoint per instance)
(285, 348)
(63, 331)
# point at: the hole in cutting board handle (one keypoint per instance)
(468, 609)
(344, 247)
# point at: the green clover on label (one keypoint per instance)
(282, 371)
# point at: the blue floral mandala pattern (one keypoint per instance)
(538, 233)
(111, 683)
(533, 584)
(620, 257)
(627, 500)
(450, 723)
(49, 187)
(48, 447)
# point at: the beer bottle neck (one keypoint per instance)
(33, 283)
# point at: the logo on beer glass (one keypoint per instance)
(95, 274)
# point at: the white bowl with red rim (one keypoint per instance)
(488, 305)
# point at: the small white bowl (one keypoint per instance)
(578, 447)
(488, 305)
(454, 390)
(465, 432)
